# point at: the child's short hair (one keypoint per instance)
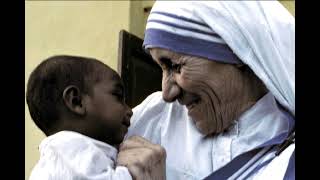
(48, 81)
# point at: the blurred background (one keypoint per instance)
(83, 28)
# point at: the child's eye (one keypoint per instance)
(119, 96)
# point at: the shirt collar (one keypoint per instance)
(62, 140)
(262, 122)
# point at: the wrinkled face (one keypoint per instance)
(107, 113)
(213, 92)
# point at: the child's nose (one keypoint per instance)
(129, 112)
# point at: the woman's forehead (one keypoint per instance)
(160, 52)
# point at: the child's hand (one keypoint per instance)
(145, 160)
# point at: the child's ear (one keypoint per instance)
(73, 100)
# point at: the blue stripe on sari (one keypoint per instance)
(191, 46)
(180, 18)
(185, 28)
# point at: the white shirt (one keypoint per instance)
(69, 155)
(190, 155)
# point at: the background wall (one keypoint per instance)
(84, 28)
(138, 16)
(290, 5)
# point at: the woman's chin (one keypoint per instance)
(204, 128)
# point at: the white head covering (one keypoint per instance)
(260, 34)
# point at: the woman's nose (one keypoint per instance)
(170, 91)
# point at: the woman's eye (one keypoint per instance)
(166, 63)
(176, 68)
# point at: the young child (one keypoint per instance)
(79, 104)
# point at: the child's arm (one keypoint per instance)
(75, 159)
(66, 173)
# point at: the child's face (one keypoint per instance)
(107, 113)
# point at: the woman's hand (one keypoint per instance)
(145, 160)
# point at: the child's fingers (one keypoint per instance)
(140, 157)
(142, 163)
(138, 141)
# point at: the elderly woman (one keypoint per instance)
(227, 104)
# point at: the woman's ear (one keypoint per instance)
(73, 100)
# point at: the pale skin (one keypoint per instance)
(144, 160)
(215, 94)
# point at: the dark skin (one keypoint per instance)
(101, 114)
(215, 94)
